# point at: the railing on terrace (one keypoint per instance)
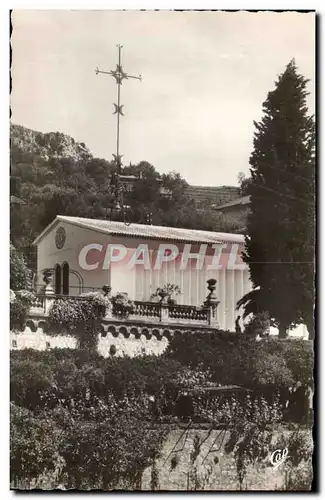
(146, 309)
(188, 313)
(153, 312)
(74, 291)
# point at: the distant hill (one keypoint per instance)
(49, 145)
(52, 174)
(58, 145)
(213, 196)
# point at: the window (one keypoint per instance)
(65, 284)
(48, 345)
(58, 279)
(14, 343)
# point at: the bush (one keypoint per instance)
(89, 443)
(19, 308)
(79, 317)
(122, 305)
(240, 359)
(29, 379)
(18, 314)
(33, 446)
(20, 275)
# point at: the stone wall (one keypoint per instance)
(216, 471)
(130, 346)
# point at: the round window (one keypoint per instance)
(60, 238)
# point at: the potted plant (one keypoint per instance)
(166, 293)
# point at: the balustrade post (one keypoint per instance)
(164, 312)
(212, 303)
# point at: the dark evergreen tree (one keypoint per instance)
(281, 226)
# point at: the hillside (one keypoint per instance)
(213, 196)
(52, 175)
(50, 145)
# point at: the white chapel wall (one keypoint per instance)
(141, 283)
(48, 255)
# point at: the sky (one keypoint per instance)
(205, 76)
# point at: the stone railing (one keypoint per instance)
(152, 312)
(188, 313)
(167, 313)
(38, 304)
(146, 310)
(149, 312)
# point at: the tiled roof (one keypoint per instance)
(244, 200)
(147, 231)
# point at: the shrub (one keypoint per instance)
(91, 443)
(19, 309)
(20, 275)
(18, 314)
(258, 325)
(29, 379)
(122, 305)
(33, 446)
(79, 317)
(240, 359)
(112, 350)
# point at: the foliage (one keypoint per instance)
(299, 463)
(271, 369)
(52, 174)
(258, 325)
(29, 379)
(75, 372)
(105, 446)
(123, 306)
(79, 317)
(112, 350)
(244, 183)
(230, 358)
(282, 194)
(20, 275)
(93, 417)
(12, 296)
(154, 478)
(19, 309)
(253, 425)
(18, 314)
(98, 444)
(33, 445)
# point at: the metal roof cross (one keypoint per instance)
(119, 76)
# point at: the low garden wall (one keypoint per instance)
(214, 469)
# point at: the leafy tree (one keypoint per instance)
(33, 446)
(20, 275)
(280, 231)
(244, 183)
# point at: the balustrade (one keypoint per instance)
(160, 312)
(147, 309)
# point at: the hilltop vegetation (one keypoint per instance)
(55, 175)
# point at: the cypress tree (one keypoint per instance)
(279, 247)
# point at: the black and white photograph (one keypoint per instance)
(162, 250)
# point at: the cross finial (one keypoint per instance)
(119, 75)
